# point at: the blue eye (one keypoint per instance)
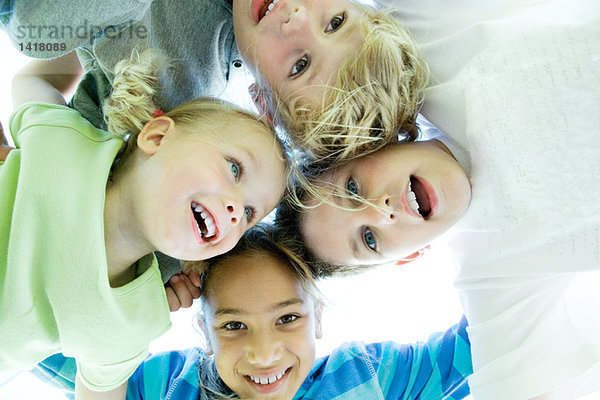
(352, 187)
(249, 212)
(300, 66)
(234, 326)
(369, 239)
(235, 169)
(336, 22)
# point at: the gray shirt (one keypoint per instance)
(197, 35)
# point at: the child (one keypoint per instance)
(414, 202)
(414, 191)
(343, 86)
(77, 271)
(516, 85)
(261, 314)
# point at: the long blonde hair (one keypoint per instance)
(376, 96)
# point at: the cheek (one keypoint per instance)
(227, 355)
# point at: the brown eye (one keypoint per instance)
(300, 66)
(335, 23)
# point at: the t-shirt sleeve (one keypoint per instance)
(56, 27)
(433, 370)
(103, 377)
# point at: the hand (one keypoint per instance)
(182, 289)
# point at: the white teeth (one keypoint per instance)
(208, 220)
(266, 380)
(412, 199)
(271, 7)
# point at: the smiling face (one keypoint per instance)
(420, 190)
(296, 46)
(207, 188)
(261, 326)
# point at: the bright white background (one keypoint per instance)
(404, 304)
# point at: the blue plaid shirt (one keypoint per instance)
(436, 369)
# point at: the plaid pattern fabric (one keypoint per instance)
(436, 369)
(59, 371)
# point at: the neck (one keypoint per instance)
(124, 242)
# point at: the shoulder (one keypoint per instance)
(175, 372)
(43, 118)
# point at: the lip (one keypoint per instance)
(433, 199)
(196, 228)
(270, 387)
(255, 8)
(432, 196)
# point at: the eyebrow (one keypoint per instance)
(275, 307)
(354, 247)
(251, 165)
(251, 157)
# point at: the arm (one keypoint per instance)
(172, 372)
(83, 393)
(436, 369)
(47, 81)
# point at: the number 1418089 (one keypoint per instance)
(42, 46)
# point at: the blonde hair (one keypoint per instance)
(130, 105)
(376, 96)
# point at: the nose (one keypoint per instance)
(263, 349)
(297, 22)
(383, 213)
(235, 211)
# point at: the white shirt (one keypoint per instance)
(517, 84)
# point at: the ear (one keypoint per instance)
(318, 325)
(414, 256)
(258, 97)
(202, 325)
(152, 134)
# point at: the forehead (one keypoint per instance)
(318, 224)
(327, 57)
(252, 282)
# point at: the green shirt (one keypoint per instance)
(54, 290)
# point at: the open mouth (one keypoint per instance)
(205, 222)
(417, 197)
(266, 8)
(268, 383)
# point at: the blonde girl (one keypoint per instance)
(81, 217)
